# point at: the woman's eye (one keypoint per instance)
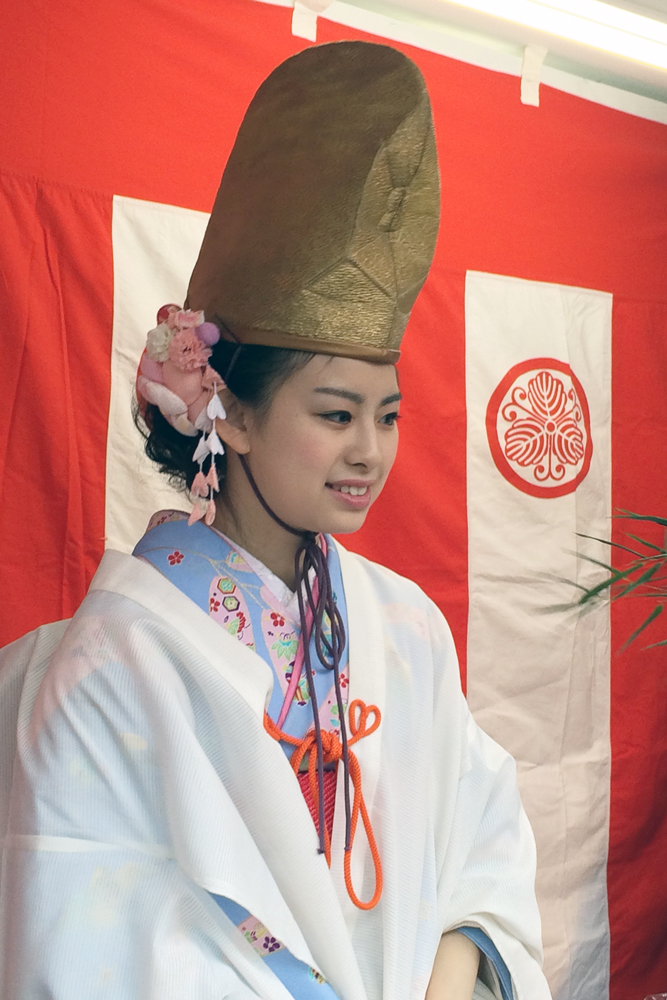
(390, 418)
(337, 416)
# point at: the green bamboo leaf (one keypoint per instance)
(623, 574)
(611, 569)
(615, 545)
(642, 517)
(643, 578)
(598, 589)
(639, 563)
(651, 618)
(643, 541)
(605, 541)
(618, 575)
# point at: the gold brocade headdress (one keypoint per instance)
(324, 226)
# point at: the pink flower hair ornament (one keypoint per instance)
(175, 376)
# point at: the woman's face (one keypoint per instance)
(323, 451)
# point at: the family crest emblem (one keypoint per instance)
(538, 428)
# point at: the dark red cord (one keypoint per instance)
(309, 556)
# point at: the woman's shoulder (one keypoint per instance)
(132, 627)
(118, 574)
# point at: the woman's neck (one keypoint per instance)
(240, 516)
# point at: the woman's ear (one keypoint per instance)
(234, 428)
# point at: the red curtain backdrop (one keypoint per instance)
(143, 98)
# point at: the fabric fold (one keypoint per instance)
(147, 728)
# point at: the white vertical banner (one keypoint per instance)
(154, 251)
(538, 396)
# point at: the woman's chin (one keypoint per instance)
(342, 523)
(328, 518)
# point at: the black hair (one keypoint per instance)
(256, 373)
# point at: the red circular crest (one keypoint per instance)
(539, 428)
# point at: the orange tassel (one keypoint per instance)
(358, 714)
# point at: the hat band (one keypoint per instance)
(277, 338)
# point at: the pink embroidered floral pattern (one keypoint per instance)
(259, 937)
(227, 605)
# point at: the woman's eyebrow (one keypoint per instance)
(354, 397)
(394, 398)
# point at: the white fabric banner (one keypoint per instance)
(539, 468)
(154, 251)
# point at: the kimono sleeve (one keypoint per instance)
(93, 901)
(487, 866)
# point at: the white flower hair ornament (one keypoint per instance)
(175, 376)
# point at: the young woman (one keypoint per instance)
(246, 767)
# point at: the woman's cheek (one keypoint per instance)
(392, 450)
(315, 449)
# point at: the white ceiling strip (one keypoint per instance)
(503, 57)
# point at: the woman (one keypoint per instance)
(246, 767)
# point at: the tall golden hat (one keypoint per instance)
(324, 226)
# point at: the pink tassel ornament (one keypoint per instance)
(196, 515)
(210, 513)
(200, 485)
(212, 478)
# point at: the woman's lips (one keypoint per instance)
(355, 495)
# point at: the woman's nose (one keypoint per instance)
(365, 447)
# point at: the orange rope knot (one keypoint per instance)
(358, 714)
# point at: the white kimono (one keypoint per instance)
(137, 778)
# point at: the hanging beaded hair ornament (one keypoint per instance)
(175, 376)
